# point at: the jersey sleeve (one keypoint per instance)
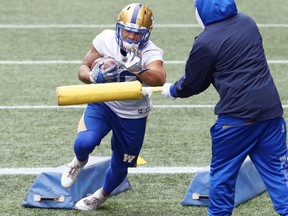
(103, 42)
(151, 53)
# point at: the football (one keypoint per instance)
(106, 62)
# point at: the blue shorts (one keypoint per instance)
(232, 141)
(127, 134)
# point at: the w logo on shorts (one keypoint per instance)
(128, 158)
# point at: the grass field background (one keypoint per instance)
(43, 137)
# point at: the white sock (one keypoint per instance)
(99, 194)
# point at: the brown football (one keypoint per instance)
(106, 62)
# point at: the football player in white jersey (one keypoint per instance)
(142, 60)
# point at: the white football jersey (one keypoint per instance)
(105, 43)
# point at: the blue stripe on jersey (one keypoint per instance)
(135, 13)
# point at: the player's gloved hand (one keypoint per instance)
(97, 75)
(134, 63)
(168, 91)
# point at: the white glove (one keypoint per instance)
(97, 75)
(166, 91)
(134, 63)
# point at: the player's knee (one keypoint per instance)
(86, 142)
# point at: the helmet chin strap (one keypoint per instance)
(198, 18)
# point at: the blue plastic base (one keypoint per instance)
(248, 185)
(47, 186)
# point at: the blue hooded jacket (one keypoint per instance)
(229, 54)
(212, 11)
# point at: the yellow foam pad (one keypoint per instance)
(91, 93)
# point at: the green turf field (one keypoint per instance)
(35, 135)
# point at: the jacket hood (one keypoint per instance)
(211, 11)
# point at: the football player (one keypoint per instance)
(229, 55)
(141, 60)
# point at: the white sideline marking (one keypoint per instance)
(77, 62)
(138, 170)
(49, 26)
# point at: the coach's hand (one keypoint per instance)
(168, 91)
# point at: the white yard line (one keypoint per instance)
(64, 26)
(77, 62)
(43, 107)
(83, 106)
(138, 170)
(49, 62)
